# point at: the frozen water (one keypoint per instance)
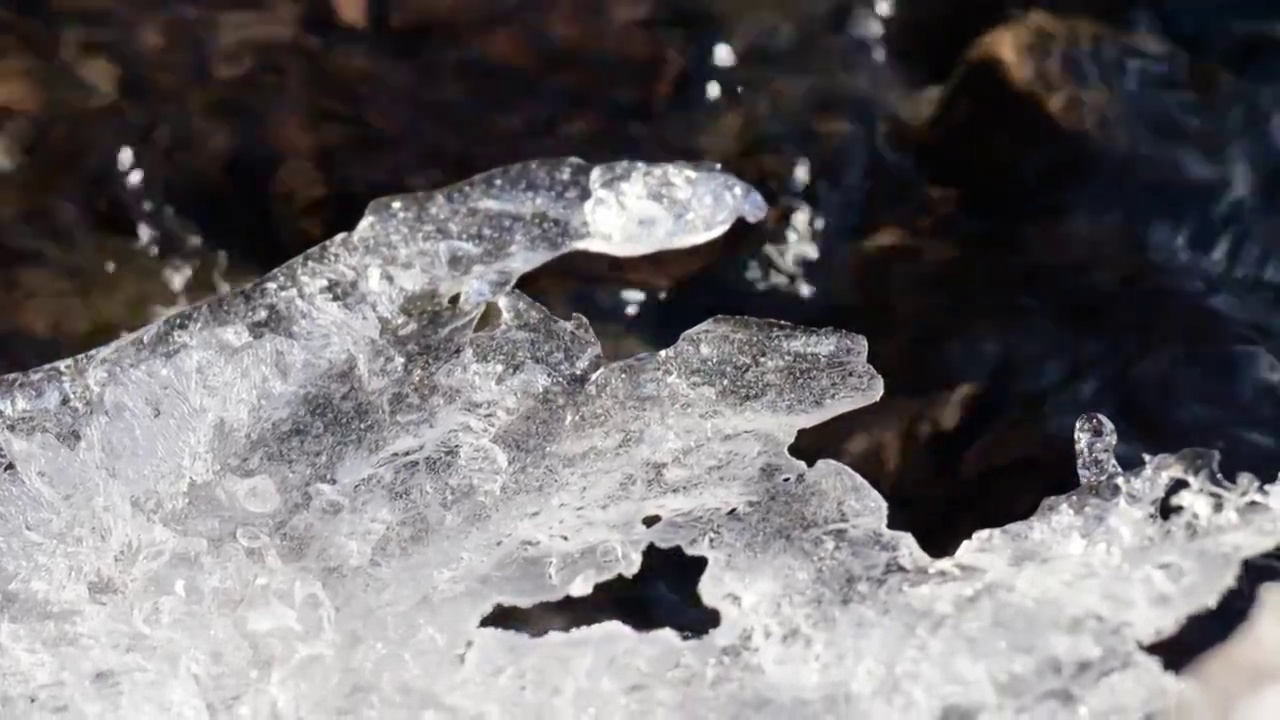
(300, 499)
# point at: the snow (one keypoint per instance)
(300, 500)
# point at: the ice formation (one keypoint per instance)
(300, 499)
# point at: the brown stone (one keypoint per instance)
(1044, 103)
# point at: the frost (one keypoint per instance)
(301, 499)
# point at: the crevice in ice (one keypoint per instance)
(1206, 630)
(924, 472)
(489, 318)
(662, 594)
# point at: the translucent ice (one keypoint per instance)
(299, 500)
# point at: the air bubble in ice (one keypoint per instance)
(256, 494)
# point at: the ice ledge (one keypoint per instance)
(412, 252)
(300, 499)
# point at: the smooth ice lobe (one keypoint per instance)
(301, 499)
(636, 209)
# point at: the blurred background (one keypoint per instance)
(1030, 209)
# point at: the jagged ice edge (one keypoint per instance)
(824, 609)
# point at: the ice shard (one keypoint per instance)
(299, 500)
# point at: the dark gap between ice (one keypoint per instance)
(643, 304)
(662, 594)
(949, 461)
(489, 318)
(1208, 629)
(1204, 631)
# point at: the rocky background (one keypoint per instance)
(1031, 209)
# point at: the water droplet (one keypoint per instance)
(1095, 441)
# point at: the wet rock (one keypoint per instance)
(1044, 105)
(927, 38)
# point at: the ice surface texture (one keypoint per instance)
(301, 499)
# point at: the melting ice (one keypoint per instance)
(300, 499)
